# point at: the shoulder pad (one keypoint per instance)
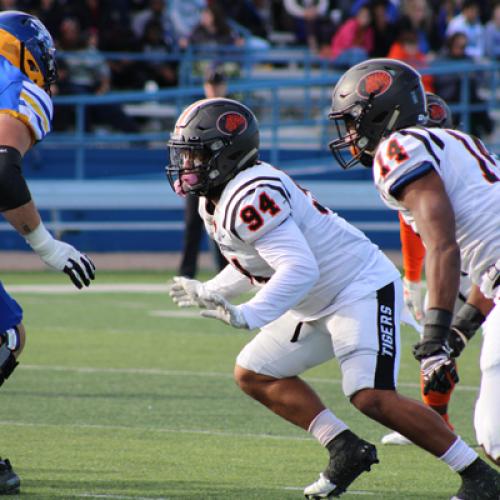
(255, 208)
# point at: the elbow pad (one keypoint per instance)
(14, 191)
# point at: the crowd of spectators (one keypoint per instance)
(345, 32)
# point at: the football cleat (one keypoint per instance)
(395, 438)
(9, 480)
(350, 456)
(479, 482)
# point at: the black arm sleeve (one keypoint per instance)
(14, 191)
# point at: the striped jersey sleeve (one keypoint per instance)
(256, 207)
(404, 157)
(25, 101)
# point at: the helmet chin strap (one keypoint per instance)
(393, 119)
(22, 58)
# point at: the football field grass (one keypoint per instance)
(121, 395)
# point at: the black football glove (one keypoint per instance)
(437, 365)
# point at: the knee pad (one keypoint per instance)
(486, 413)
(10, 341)
(8, 363)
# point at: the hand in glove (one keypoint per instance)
(186, 292)
(218, 307)
(435, 354)
(62, 256)
(439, 373)
(413, 297)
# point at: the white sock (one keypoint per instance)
(325, 426)
(459, 455)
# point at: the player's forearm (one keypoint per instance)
(443, 275)
(23, 219)
(296, 272)
(478, 300)
(288, 286)
(229, 283)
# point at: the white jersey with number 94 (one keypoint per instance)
(252, 222)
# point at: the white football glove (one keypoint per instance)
(217, 307)
(62, 256)
(490, 284)
(414, 298)
(186, 292)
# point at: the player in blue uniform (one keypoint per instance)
(27, 69)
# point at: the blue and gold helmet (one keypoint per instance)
(26, 43)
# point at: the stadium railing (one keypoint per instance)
(290, 92)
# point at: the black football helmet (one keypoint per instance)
(371, 100)
(212, 141)
(438, 112)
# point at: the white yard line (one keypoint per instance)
(349, 492)
(117, 497)
(93, 288)
(189, 373)
(186, 313)
(161, 430)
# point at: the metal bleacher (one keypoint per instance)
(108, 185)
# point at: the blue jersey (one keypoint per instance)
(22, 99)
(11, 313)
(25, 101)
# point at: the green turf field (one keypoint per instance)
(123, 396)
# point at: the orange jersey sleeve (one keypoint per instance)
(413, 252)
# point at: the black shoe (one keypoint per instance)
(479, 482)
(350, 456)
(9, 480)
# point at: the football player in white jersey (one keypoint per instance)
(27, 69)
(446, 185)
(324, 291)
(413, 253)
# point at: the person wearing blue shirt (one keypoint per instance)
(27, 69)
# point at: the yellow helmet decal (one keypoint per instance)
(10, 48)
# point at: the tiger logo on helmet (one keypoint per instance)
(438, 112)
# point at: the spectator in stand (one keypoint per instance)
(416, 16)
(85, 71)
(185, 16)
(213, 29)
(126, 73)
(448, 86)
(445, 12)
(354, 40)
(492, 35)
(164, 73)
(308, 16)
(214, 85)
(214, 33)
(156, 11)
(350, 9)
(406, 49)
(468, 23)
(383, 28)
(249, 14)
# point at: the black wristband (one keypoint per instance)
(437, 324)
(14, 191)
(468, 320)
